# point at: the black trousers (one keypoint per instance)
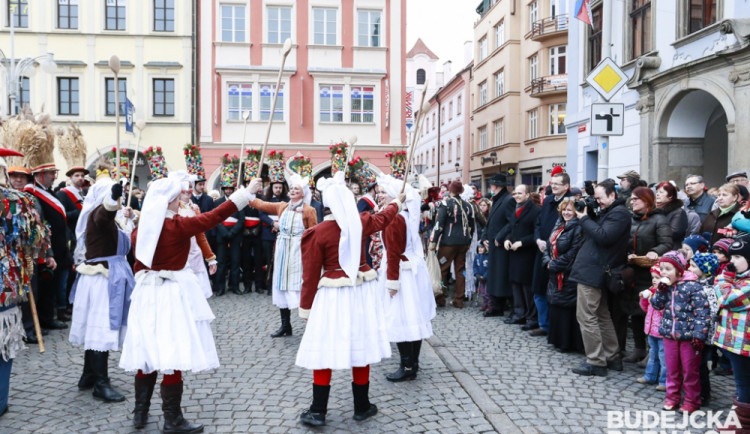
(47, 284)
(252, 263)
(228, 254)
(268, 254)
(523, 302)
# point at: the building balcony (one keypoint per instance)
(549, 85)
(549, 27)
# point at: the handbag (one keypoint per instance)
(619, 279)
(433, 269)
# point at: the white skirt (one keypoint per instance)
(90, 324)
(169, 325)
(409, 313)
(346, 328)
(202, 276)
(285, 299)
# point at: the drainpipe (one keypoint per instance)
(439, 161)
(604, 144)
(194, 75)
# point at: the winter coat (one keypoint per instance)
(732, 331)
(686, 311)
(568, 244)
(605, 241)
(714, 222)
(546, 221)
(653, 317)
(520, 227)
(702, 206)
(678, 221)
(454, 225)
(650, 235)
(480, 265)
(498, 284)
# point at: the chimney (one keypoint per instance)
(468, 52)
(447, 70)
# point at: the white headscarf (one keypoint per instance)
(340, 200)
(95, 197)
(186, 180)
(392, 186)
(154, 211)
(295, 179)
(468, 193)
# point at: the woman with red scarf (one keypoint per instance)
(562, 248)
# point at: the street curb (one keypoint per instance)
(492, 412)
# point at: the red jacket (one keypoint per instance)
(394, 238)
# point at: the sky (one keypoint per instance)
(443, 25)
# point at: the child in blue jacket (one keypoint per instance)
(480, 275)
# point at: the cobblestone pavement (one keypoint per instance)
(476, 375)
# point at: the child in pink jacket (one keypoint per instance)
(656, 369)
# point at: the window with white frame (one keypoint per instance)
(557, 60)
(442, 115)
(368, 28)
(23, 97)
(458, 149)
(482, 93)
(239, 100)
(450, 151)
(114, 14)
(533, 131)
(482, 138)
(500, 34)
(458, 105)
(164, 15)
(18, 11)
(109, 85)
(499, 83)
(483, 48)
(499, 127)
(232, 23)
(267, 91)
(67, 96)
(163, 97)
(533, 14)
(331, 103)
(556, 119)
(533, 68)
(434, 124)
(450, 110)
(67, 14)
(363, 104)
(324, 26)
(279, 24)
(433, 157)
(442, 153)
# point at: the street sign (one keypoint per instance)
(607, 119)
(607, 78)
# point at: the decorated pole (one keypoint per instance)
(286, 50)
(114, 65)
(245, 116)
(423, 107)
(140, 124)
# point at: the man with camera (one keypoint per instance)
(605, 238)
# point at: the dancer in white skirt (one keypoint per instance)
(101, 293)
(295, 217)
(342, 299)
(409, 302)
(170, 319)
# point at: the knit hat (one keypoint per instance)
(655, 270)
(708, 263)
(156, 164)
(397, 163)
(696, 243)
(675, 258)
(456, 187)
(276, 166)
(251, 164)
(723, 245)
(741, 247)
(228, 170)
(194, 161)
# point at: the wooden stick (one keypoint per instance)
(35, 317)
(423, 107)
(135, 163)
(245, 116)
(287, 50)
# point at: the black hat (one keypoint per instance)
(743, 192)
(499, 180)
(741, 247)
(740, 174)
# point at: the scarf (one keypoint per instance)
(555, 254)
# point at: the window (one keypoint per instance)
(442, 115)
(163, 97)
(499, 127)
(533, 68)
(640, 19)
(450, 151)
(324, 26)
(67, 96)
(434, 124)
(482, 138)
(702, 14)
(557, 60)
(533, 124)
(442, 153)
(499, 83)
(109, 84)
(115, 15)
(67, 14)
(426, 125)
(22, 98)
(279, 25)
(267, 91)
(421, 76)
(18, 11)
(458, 149)
(595, 37)
(458, 105)
(164, 15)
(533, 14)
(433, 158)
(482, 93)
(363, 104)
(500, 34)
(332, 103)
(239, 100)
(483, 48)
(368, 28)
(450, 110)
(557, 119)
(232, 23)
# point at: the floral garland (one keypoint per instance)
(252, 160)
(276, 166)
(338, 156)
(194, 160)
(398, 163)
(156, 163)
(303, 167)
(124, 163)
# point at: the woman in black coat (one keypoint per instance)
(558, 258)
(517, 238)
(667, 201)
(728, 202)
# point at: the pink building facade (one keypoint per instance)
(344, 77)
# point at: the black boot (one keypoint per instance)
(316, 415)
(62, 315)
(416, 347)
(88, 378)
(286, 324)
(406, 369)
(144, 389)
(362, 406)
(103, 389)
(171, 397)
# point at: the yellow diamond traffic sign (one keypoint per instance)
(607, 78)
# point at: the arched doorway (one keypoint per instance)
(694, 128)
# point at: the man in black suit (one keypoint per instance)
(229, 246)
(498, 284)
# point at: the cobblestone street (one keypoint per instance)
(476, 375)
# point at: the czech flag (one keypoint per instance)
(583, 12)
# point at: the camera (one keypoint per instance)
(588, 201)
(579, 205)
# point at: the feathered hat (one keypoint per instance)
(362, 174)
(276, 166)
(156, 163)
(251, 164)
(338, 156)
(302, 166)
(398, 163)
(73, 148)
(229, 171)
(194, 161)
(124, 163)
(34, 137)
